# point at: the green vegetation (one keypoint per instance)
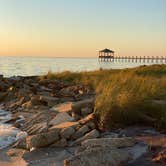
(125, 97)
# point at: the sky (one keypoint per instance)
(80, 28)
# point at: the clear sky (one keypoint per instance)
(82, 27)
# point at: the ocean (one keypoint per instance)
(29, 66)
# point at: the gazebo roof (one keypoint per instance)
(106, 50)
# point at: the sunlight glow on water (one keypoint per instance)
(28, 66)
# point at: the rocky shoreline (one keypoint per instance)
(59, 121)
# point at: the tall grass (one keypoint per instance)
(125, 97)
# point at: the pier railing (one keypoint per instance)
(136, 59)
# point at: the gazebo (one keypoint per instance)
(106, 53)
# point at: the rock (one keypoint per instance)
(160, 157)
(64, 107)
(85, 111)
(77, 106)
(67, 132)
(65, 125)
(81, 132)
(42, 140)
(61, 143)
(99, 156)
(27, 105)
(24, 92)
(110, 142)
(92, 134)
(50, 101)
(67, 91)
(76, 116)
(2, 96)
(36, 119)
(35, 100)
(38, 128)
(60, 118)
(87, 119)
(20, 144)
(15, 152)
(91, 125)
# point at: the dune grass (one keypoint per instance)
(125, 97)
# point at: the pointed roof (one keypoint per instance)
(106, 50)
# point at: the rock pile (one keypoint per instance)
(24, 93)
(55, 113)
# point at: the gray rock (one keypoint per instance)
(67, 132)
(60, 118)
(38, 128)
(92, 134)
(66, 125)
(91, 125)
(99, 156)
(81, 131)
(85, 111)
(77, 106)
(42, 140)
(110, 142)
(51, 101)
(61, 143)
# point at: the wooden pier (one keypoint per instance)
(107, 55)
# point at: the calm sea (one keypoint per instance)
(28, 66)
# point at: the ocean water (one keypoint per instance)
(8, 133)
(28, 66)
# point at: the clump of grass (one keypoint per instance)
(127, 96)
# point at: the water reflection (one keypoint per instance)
(26, 66)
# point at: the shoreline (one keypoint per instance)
(58, 113)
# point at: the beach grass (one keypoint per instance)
(125, 96)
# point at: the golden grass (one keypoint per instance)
(127, 96)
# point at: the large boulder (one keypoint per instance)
(60, 118)
(98, 156)
(110, 142)
(42, 140)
